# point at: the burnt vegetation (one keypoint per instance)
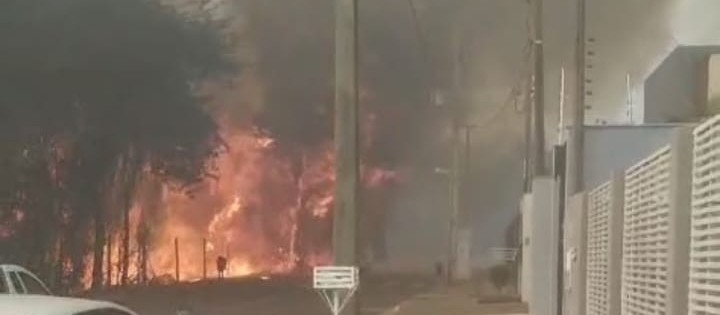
(100, 107)
(94, 94)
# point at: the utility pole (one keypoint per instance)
(177, 260)
(457, 108)
(528, 167)
(204, 258)
(539, 95)
(345, 223)
(576, 141)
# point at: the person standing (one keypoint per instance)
(221, 266)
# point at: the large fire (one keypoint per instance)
(252, 213)
(266, 211)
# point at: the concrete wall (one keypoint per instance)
(615, 252)
(714, 84)
(544, 238)
(677, 91)
(611, 148)
(575, 241)
(526, 263)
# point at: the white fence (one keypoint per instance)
(646, 236)
(604, 247)
(638, 233)
(598, 245)
(704, 291)
(669, 216)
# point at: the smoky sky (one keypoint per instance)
(402, 62)
(294, 42)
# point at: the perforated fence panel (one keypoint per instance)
(704, 289)
(646, 236)
(598, 247)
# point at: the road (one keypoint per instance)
(257, 296)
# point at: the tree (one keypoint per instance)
(92, 92)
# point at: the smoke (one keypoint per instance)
(634, 37)
(286, 90)
(694, 22)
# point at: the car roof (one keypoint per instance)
(16, 268)
(10, 267)
(51, 305)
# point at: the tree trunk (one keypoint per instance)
(150, 194)
(142, 270)
(118, 266)
(129, 170)
(59, 276)
(109, 260)
(97, 272)
(125, 244)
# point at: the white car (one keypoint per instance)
(53, 305)
(18, 280)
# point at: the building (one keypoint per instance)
(678, 90)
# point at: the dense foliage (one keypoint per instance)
(94, 93)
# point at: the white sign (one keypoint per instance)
(504, 254)
(335, 277)
(336, 285)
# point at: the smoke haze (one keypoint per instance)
(286, 89)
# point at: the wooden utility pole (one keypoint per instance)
(177, 261)
(528, 167)
(204, 258)
(454, 200)
(539, 95)
(576, 137)
(346, 137)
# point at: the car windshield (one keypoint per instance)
(32, 285)
(3, 283)
(16, 282)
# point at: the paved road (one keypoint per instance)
(456, 304)
(255, 296)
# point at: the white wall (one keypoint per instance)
(544, 241)
(604, 247)
(526, 268)
(611, 148)
(575, 240)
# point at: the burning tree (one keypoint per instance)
(94, 92)
(107, 150)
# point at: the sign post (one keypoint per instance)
(336, 285)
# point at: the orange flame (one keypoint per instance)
(253, 213)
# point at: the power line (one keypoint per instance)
(524, 74)
(517, 84)
(514, 92)
(418, 30)
(424, 48)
